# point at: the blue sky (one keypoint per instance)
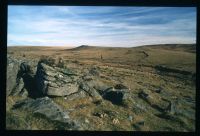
(100, 26)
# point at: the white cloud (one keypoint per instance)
(46, 29)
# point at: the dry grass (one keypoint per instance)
(119, 65)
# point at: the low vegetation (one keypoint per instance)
(161, 72)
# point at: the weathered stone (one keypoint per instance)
(87, 78)
(54, 83)
(90, 90)
(138, 125)
(155, 102)
(120, 86)
(139, 108)
(116, 96)
(49, 78)
(143, 95)
(24, 93)
(158, 90)
(67, 72)
(25, 68)
(171, 108)
(12, 71)
(20, 77)
(62, 91)
(94, 71)
(18, 88)
(77, 95)
(45, 106)
(130, 118)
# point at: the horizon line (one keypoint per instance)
(97, 45)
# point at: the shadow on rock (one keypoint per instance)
(25, 82)
(30, 86)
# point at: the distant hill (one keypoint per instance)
(176, 47)
(81, 47)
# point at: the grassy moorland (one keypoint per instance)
(137, 68)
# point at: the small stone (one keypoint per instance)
(115, 121)
(60, 76)
(87, 121)
(143, 95)
(141, 123)
(130, 118)
(103, 115)
(158, 90)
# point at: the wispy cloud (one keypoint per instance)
(103, 26)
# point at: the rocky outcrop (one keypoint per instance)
(20, 77)
(55, 82)
(45, 106)
(12, 70)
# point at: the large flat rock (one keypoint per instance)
(45, 106)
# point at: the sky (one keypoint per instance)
(100, 26)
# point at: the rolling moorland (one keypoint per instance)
(145, 88)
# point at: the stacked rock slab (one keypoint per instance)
(52, 82)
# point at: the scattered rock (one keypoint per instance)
(143, 95)
(45, 106)
(145, 54)
(98, 102)
(165, 116)
(177, 73)
(87, 78)
(111, 114)
(94, 71)
(130, 118)
(77, 95)
(157, 103)
(115, 121)
(158, 90)
(90, 90)
(138, 125)
(87, 121)
(117, 96)
(120, 86)
(139, 108)
(189, 113)
(171, 108)
(189, 99)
